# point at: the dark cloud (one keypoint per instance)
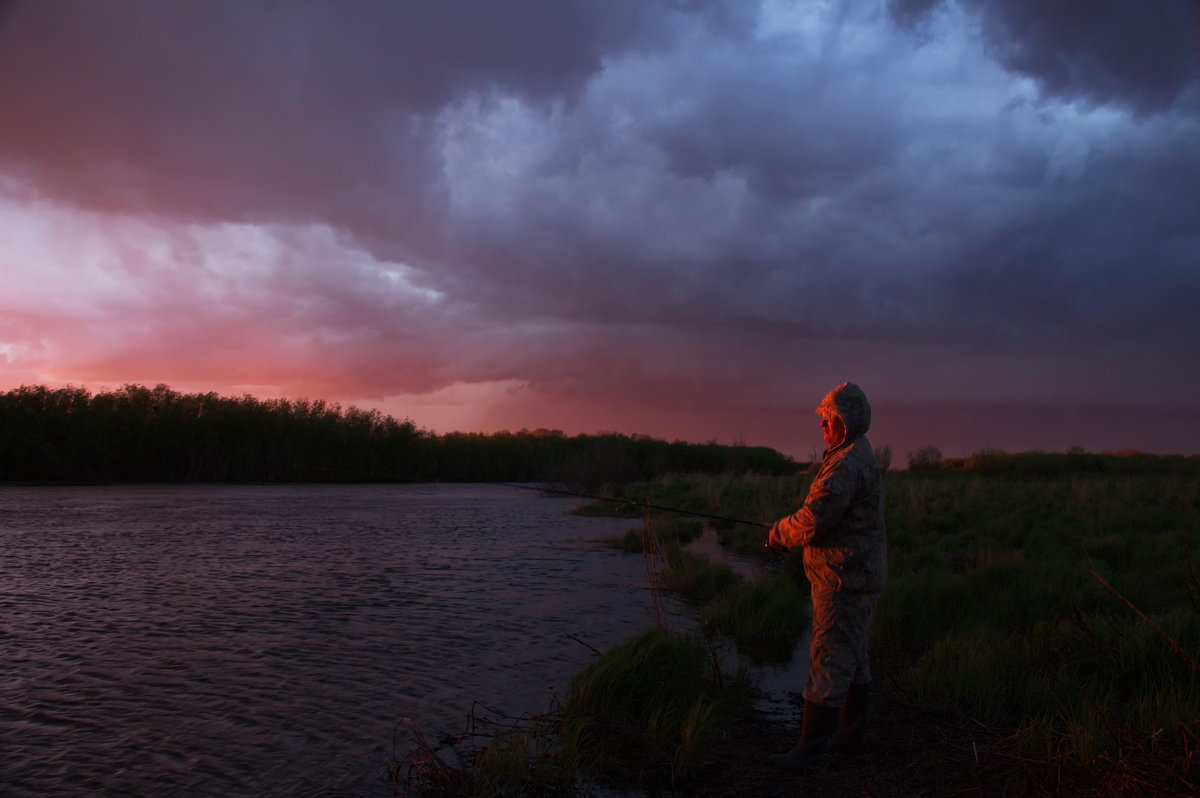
(911, 13)
(1145, 56)
(1142, 54)
(265, 109)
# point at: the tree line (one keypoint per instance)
(1037, 463)
(155, 434)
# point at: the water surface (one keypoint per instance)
(268, 640)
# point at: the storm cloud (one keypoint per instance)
(686, 219)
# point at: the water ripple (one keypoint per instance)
(266, 640)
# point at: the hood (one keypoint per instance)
(849, 403)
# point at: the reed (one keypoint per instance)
(422, 771)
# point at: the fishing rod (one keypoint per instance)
(632, 503)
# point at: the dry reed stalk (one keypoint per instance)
(1158, 629)
(422, 772)
(650, 558)
(1193, 584)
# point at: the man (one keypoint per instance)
(841, 528)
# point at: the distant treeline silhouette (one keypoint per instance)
(156, 434)
(1048, 464)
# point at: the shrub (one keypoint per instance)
(924, 458)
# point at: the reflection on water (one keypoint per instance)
(266, 640)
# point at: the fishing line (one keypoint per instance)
(632, 503)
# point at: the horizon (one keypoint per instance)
(814, 455)
(684, 221)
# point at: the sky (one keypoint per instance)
(688, 219)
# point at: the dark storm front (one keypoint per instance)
(266, 640)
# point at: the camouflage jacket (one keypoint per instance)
(841, 525)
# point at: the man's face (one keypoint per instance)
(833, 429)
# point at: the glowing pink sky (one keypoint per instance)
(683, 220)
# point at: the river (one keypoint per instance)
(284, 640)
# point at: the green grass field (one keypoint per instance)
(1063, 607)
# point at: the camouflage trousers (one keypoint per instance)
(839, 655)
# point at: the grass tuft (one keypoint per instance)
(665, 531)
(766, 617)
(653, 703)
(696, 578)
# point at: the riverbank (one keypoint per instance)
(1036, 637)
(915, 753)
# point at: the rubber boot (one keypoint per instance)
(820, 724)
(852, 720)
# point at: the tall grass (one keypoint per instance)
(694, 577)
(646, 712)
(992, 604)
(992, 594)
(766, 617)
(665, 531)
(653, 703)
(528, 761)
(755, 498)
